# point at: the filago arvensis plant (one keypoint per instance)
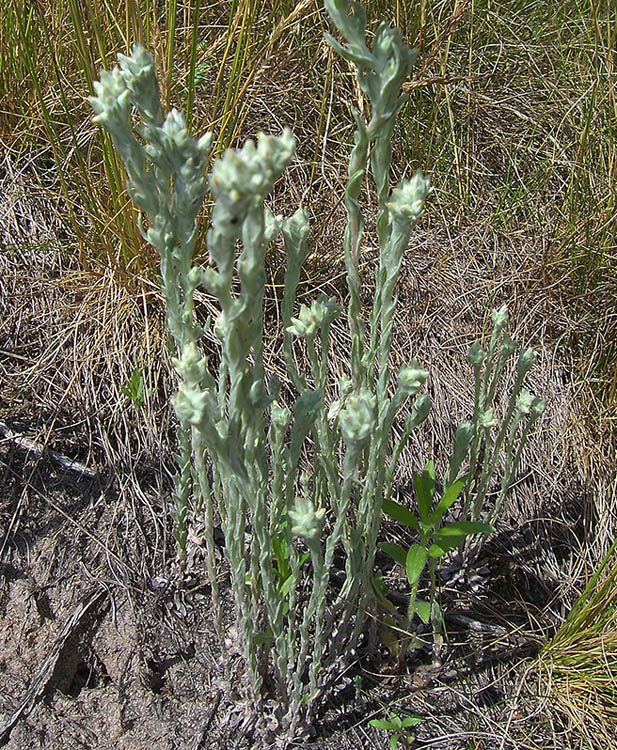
(240, 449)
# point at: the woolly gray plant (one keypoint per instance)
(239, 448)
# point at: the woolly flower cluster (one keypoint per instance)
(407, 200)
(243, 177)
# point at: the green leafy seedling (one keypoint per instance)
(285, 578)
(134, 389)
(283, 565)
(435, 539)
(398, 726)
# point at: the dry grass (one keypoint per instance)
(579, 664)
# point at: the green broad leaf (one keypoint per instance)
(382, 724)
(449, 537)
(467, 527)
(415, 562)
(446, 544)
(412, 721)
(304, 557)
(428, 475)
(263, 638)
(279, 547)
(287, 581)
(400, 513)
(425, 489)
(449, 497)
(134, 388)
(416, 644)
(395, 551)
(394, 741)
(285, 586)
(423, 610)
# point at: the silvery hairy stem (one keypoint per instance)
(242, 453)
(165, 180)
(486, 436)
(380, 72)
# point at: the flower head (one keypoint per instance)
(407, 200)
(306, 520)
(476, 354)
(245, 175)
(524, 401)
(526, 361)
(357, 417)
(310, 319)
(500, 317)
(411, 379)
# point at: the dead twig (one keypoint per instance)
(42, 450)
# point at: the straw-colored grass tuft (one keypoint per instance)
(578, 666)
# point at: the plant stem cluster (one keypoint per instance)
(240, 450)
